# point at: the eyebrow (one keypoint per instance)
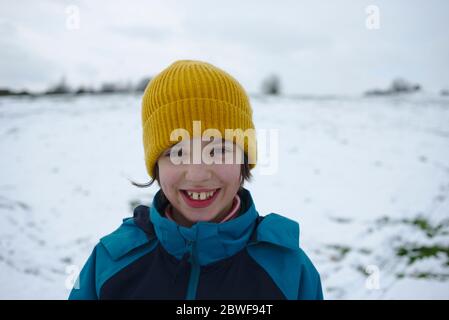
(214, 142)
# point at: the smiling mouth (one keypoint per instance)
(202, 195)
(200, 198)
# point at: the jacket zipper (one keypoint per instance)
(194, 271)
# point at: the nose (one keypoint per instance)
(198, 173)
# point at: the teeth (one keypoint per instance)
(200, 195)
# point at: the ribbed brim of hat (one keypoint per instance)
(181, 114)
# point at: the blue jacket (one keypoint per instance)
(152, 257)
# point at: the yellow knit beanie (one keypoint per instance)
(188, 91)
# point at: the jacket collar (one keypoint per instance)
(210, 241)
(213, 241)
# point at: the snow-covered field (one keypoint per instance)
(367, 179)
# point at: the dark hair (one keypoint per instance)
(245, 175)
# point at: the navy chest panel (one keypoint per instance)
(159, 275)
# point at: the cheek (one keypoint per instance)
(168, 177)
(230, 174)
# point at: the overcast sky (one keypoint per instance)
(316, 47)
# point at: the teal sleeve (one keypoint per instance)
(85, 286)
(310, 283)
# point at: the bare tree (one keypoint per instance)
(271, 85)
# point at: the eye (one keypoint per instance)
(218, 150)
(178, 152)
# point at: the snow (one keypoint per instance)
(344, 163)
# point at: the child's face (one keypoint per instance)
(178, 181)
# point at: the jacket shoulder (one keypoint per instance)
(124, 239)
(278, 230)
(276, 248)
(113, 253)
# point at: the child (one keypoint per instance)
(202, 237)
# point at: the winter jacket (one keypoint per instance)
(152, 257)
